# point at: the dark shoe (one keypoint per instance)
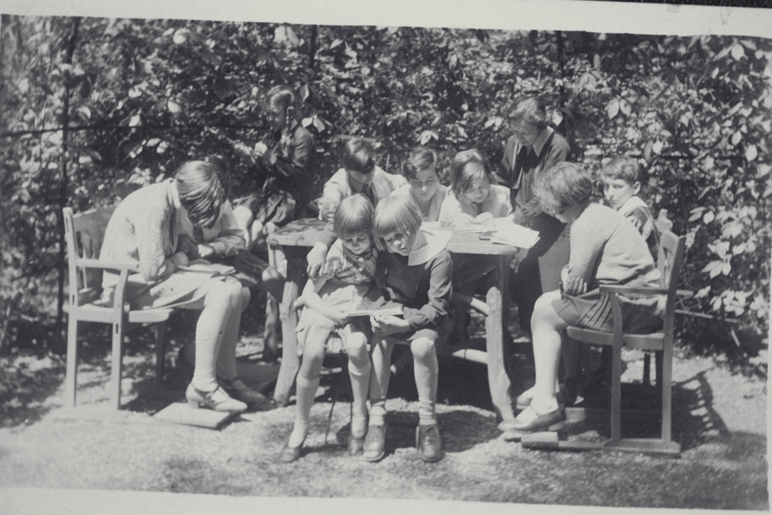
(529, 422)
(216, 400)
(238, 390)
(289, 454)
(356, 445)
(374, 448)
(428, 444)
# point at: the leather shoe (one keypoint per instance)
(529, 421)
(374, 448)
(289, 454)
(216, 400)
(525, 398)
(356, 445)
(428, 444)
(238, 390)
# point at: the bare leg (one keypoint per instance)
(226, 362)
(359, 372)
(379, 379)
(426, 371)
(209, 333)
(306, 384)
(546, 325)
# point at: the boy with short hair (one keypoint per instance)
(621, 184)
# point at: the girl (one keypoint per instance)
(423, 186)
(327, 300)
(287, 161)
(605, 249)
(416, 271)
(144, 229)
(474, 199)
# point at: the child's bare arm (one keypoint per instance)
(311, 299)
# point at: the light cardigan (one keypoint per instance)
(339, 187)
(455, 212)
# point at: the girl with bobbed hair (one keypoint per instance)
(424, 187)
(144, 229)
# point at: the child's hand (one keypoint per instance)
(205, 251)
(388, 324)
(337, 316)
(189, 246)
(315, 259)
(259, 150)
(575, 286)
(484, 218)
(300, 302)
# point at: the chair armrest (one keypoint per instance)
(635, 291)
(107, 265)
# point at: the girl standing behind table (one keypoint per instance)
(327, 300)
(416, 272)
(144, 229)
(424, 188)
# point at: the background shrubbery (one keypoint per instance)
(93, 107)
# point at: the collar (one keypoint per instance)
(538, 145)
(436, 242)
(631, 204)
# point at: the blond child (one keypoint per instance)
(327, 301)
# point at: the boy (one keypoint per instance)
(621, 185)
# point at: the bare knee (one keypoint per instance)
(313, 355)
(422, 348)
(356, 347)
(544, 313)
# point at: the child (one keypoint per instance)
(327, 301)
(621, 185)
(359, 174)
(475, 199)
(423, 186)
(287, 161)
(604, 250)
(416, 272)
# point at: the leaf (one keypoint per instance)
(612, 109)
(726, 268)
(712, 266)
(180, 36)
(135, 120)
(751, 153)
(736, 137)
(173, 107)
(738, 52)
(624, 106)
(336, 43)
(696, 213)
(657, 147)
(734, 109)
(709, 216)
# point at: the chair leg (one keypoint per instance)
(666, 367)
(71, 377)
(646, 368)
(117, 365)
(658, 368)
(616, 393)
(160, 350)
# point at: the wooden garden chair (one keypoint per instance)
(84, 233)
(669, 262)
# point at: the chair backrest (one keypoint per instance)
(84, 233)
(669, 260)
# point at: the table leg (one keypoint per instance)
(290, 363)
(498, 380)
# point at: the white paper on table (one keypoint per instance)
(510, 233)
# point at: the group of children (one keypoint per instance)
(387, 241)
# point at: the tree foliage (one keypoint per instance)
(144, 95)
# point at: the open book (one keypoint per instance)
(509, 233)
(376, 304)
(204, 266)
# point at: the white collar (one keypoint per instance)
(436, 242)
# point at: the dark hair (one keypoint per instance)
(396, 214)
(357, 155)
(279, 96)
(468, 167)
(420, 158)
(622, 167)
(200, 192)
(563, 186)
(223, 172)
(354, 215)
(532, 110)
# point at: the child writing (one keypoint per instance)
(327, 300)
(475, 199)
(621, 184)
(416, 272)
(424, 188)
(605, 249)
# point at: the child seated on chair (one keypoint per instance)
(416, 272)
(621, 185)
(327, 301)
(475, 200)
(424, 187)
(605, 250)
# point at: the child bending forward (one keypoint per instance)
(327, 300)
(415, 271)
(605, 250)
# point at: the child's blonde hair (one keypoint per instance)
(622, 167)
(563, 186)
(468, 167)
(396, 214)
(353, 216)
(200, 191)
